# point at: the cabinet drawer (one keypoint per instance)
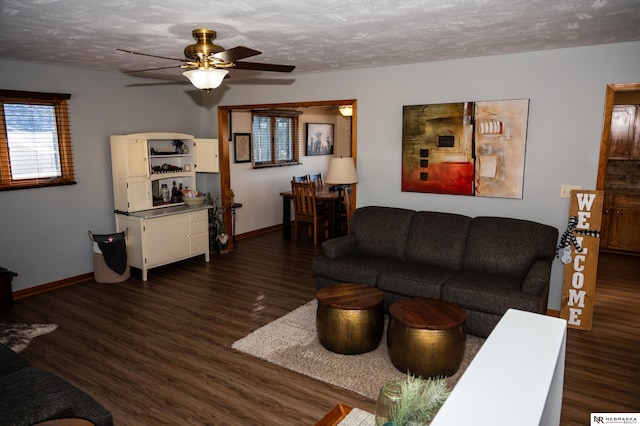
(198, 227)
(198, 216)
(626, 202)
(198, 243)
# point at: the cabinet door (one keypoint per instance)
(635, 147)
(622, 132)
(205, 156)
(139, 194)
(166, 239)
(625, 226)
(605, 227)
(137, 158)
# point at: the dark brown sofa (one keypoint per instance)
(485, 265)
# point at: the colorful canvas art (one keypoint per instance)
(465, 148)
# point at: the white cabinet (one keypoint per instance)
(142, 162)
(157, 237)
(160, 232)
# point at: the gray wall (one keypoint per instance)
(44, 230)
(566, 88)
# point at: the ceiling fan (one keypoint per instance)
(208, 64)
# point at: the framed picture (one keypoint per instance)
(319, 139)
(242, 147)
(474, 148)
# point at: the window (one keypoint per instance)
(35, 144)
(275, 138)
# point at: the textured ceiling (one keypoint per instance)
(314, 35)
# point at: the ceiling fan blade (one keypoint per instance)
(152, 69)
(152, 56)
(256, 66)
(235, 54)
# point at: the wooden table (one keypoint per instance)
(333, 417)
(322, 195)
(425, 336)
(350, 319)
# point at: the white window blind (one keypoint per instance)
(35, 149)
(275, 138)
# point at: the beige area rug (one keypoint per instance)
(18, 336)
(292, 342)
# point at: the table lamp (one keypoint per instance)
(342, 172)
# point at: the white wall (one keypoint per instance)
(259, 190)
(44, 230)
(566, 89)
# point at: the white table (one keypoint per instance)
(515, 379)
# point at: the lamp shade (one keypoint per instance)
(346, 110)
(206, 79)
(342, 171)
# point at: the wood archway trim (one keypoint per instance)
(609, 102)
(223, 138)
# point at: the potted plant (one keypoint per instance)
(412, 402)
(217, 224)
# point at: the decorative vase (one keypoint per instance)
(387, 403)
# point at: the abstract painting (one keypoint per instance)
(465, 148)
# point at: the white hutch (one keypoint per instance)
(158, 231)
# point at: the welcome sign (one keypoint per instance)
(579, 283)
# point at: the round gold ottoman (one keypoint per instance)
(349, 319)
(425, 336)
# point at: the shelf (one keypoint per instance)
(169, 175)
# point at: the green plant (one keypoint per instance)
(215, 213)
(420, 400)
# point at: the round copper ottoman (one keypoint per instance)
(425, 336)
(350, 319)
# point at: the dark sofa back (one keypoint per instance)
(381, 231)
(505, 246)
(438, 239)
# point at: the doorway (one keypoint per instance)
(621, 213)
(225, 133)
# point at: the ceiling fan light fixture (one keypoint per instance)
(206, 79)
(346, 110)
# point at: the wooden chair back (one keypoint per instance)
(306, 208)
(317, 179)
(348, 207)
(299, 179)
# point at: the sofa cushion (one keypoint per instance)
(415, 280)
(354, 268)
(32, 395)
(488, 293)
(381, 231)
(505, 246)
(10, 361)
(437, 239)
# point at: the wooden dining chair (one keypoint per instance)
(306, 210)
(317, 179)
(346, 210)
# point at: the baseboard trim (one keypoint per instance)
(32, 291)
(258, 232)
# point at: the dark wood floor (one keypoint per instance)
(159, 352)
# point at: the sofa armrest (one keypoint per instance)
(340, 246)
(538, 277)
